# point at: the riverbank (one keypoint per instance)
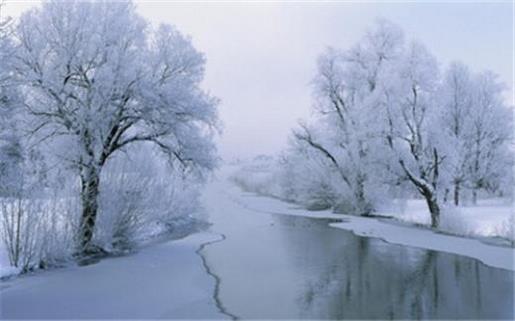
(166, 280)
(390, 230)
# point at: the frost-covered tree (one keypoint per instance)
(386, 120)
(477, 125)
(346, 92)
(412, 125)
(489, 136)
(10, 146)
(457, 102)
(21, 168)
(18, 163)
(99, 80)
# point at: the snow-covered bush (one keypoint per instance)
(38, 232)
(480, 221)
(507, 229)
(140, 197)
(38, 214)
(258, 176)
(21, 226)
(454, 222)
(298, 178)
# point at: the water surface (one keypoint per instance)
(276, 266)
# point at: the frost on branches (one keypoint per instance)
(99, 83)
(388, 122)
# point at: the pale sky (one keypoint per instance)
(261, 57)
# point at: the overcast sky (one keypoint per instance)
(261, 56)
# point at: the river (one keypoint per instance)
(272, 266)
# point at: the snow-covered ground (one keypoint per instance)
(481, 221)
(5, 269)
(167, 280)
(489, 218)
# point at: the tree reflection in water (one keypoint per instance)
(370, 279)
(284, 267)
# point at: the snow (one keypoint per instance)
(5, 269)
(490, 218)
(396, 232)
(166, 280)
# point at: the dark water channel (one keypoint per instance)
(284, 267)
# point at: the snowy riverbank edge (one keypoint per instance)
(387, 230)
(164, 280)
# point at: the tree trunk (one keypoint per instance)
(89, 195)
(434, 209)
(364, 207)
(474, 196)
(457, 193)
(19, 213)
(446, 196)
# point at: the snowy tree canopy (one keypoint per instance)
(99, 79)
(98, 73)
(388, 118)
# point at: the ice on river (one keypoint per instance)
(165, 281)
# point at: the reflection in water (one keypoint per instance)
(367, 278)
(291, 267)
